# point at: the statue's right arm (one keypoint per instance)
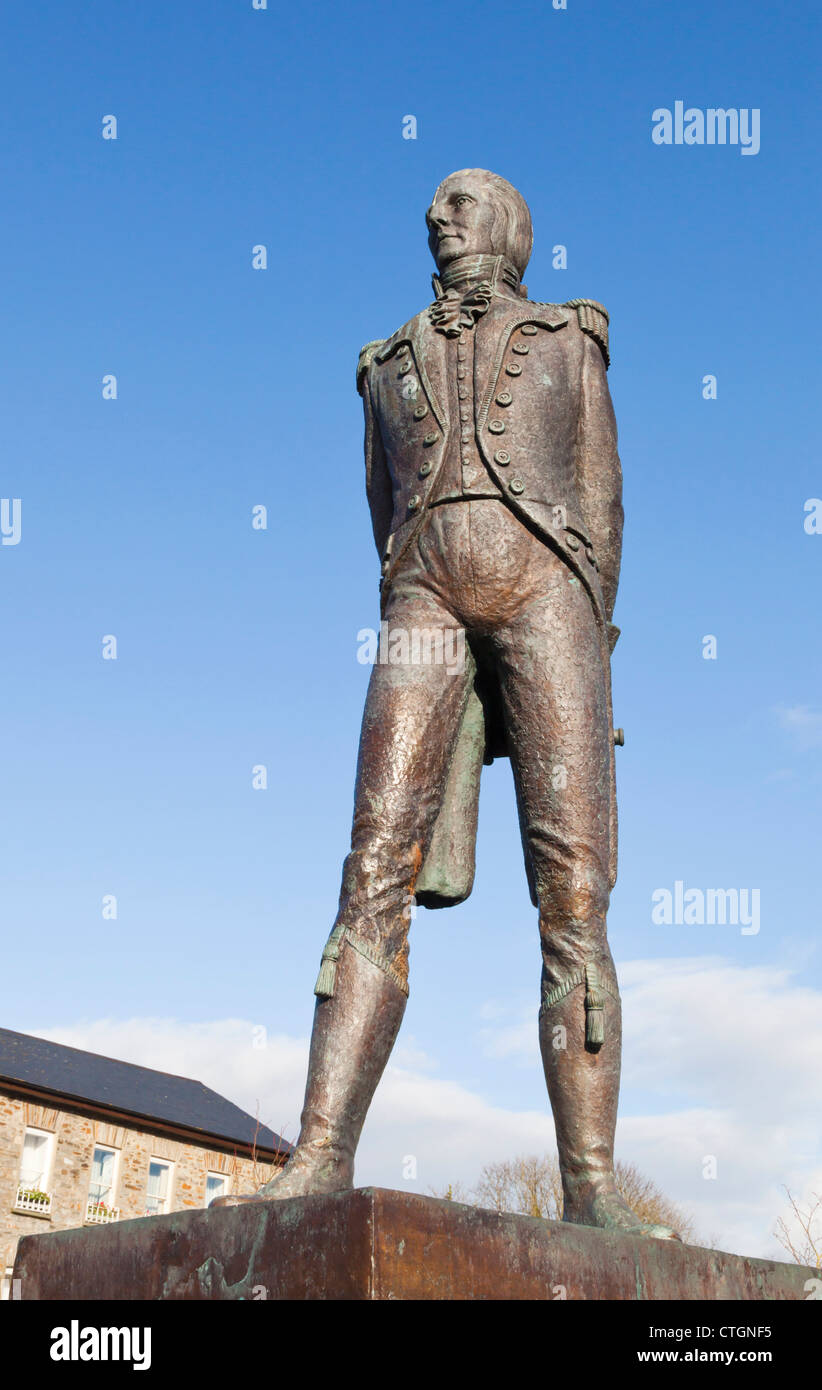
(377, 478)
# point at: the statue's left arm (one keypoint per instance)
(599, 473)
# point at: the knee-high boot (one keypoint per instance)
(580, 1033)
(355, 1028)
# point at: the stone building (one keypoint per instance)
(85, 1140)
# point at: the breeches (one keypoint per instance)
(475, 569)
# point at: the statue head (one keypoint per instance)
(475, 212)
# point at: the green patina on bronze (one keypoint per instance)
(371, 1244)
(495, 491)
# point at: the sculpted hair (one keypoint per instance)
(512, 233)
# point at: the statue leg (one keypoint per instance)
(354, 1032)
(583, 1084)
(410, 726)
(555, 698)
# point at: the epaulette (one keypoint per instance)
(593, 320)
(364, 361)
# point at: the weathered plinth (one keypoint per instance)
(377, 1244)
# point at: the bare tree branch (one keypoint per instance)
(800, 1230)
(531, 1185)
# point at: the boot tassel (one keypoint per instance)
(594, 1009)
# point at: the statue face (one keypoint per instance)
(460, 219)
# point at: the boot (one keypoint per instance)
(354, 1031)
(583, 1085)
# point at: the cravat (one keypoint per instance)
(455, 311)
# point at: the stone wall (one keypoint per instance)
(76, 1134)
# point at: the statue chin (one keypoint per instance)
(461, 252)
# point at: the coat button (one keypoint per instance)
(430, 439)
(404, 368)
(504, 398)
(516, 486)
(529, 329)
(590, 556)
(571, 540)
(496, 427)
(425, 469)
(413, 503)
(420, 412)
(502, 457)
(514, 369)
(521, 348)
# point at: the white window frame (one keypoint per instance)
(167, 1200)
(110, 1200)
(45, 1185)
(224, 1178)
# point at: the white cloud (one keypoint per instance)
(804, 723)
(720, 1060)
(226, 1055)
(728, 1058)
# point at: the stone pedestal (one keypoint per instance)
(377, 1244)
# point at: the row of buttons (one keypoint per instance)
(573, 542)
(404, 367)
(502, 456)
(420, 412)
(504, 398)
(462, 393)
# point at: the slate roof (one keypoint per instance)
(139, 1091)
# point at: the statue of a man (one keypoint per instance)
(495, 487)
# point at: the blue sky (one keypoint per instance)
(238, 647)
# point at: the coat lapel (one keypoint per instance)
(429, 354)
(500, 322)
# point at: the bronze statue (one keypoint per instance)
(495, 487)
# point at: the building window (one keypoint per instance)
(217, 1185)
(159, 1187)
(33, 1196)
(36, 1162)
(101, 1189)
(100, 1207)
(32, 1191)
